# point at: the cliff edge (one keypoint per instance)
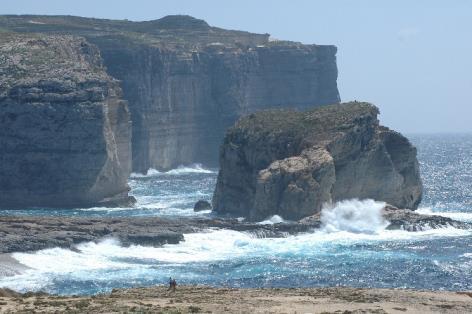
(290, 163)
(186, 82)
(66, 132)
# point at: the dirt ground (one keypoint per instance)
(222, 300)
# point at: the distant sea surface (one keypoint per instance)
(354, 252)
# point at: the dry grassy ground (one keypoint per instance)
(221, 300)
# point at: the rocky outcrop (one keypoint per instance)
(187, 82)
(405, 219)
(24, 234)
(202, 205)
(290, 163)
(66, 131)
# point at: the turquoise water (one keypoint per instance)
(343, 252)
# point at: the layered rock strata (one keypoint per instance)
(290, 163)
(183, 101)
(187, 82)
(66, 132)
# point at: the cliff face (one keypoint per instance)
(186, 82)
(182, 102)
(66, 132)
(289, 163)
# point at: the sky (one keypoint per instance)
(413, 59)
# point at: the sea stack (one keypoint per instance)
(66, 130)
(289, 163)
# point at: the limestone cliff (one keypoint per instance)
(186, 82)
(65, 138)
(289, 163)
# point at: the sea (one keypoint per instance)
(352, 248)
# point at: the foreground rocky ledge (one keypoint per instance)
(198, 299)
(26, 233)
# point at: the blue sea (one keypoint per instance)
(351, 249)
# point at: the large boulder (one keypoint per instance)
(290, 163)
(202, 205)
(66, 131)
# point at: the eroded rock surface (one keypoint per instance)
(405, 219)
(290, 163)
(65, 138)
(22, 234)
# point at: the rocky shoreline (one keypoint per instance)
(27, 233)
(199, 299)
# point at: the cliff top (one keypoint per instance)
(37, 59)
(325, 119)
(169, 31)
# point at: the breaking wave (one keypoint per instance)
(181, 170)
(353, 232)
(352, 248)
(276, 219)
(354, 216)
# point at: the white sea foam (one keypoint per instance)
(104, 209)
(48, 260)
(460, 216)
(354, 216)
(344, 225)
(194, 168)
(214, 245)
(341, 224)
(108, 260)
(276, 219)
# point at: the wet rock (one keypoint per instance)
(23, 234)
(202, 205)
(8, 293)
(151, 239)
(404, 219)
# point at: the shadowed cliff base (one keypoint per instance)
(199, 299)
(187, 82)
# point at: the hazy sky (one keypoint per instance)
(411, 58)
